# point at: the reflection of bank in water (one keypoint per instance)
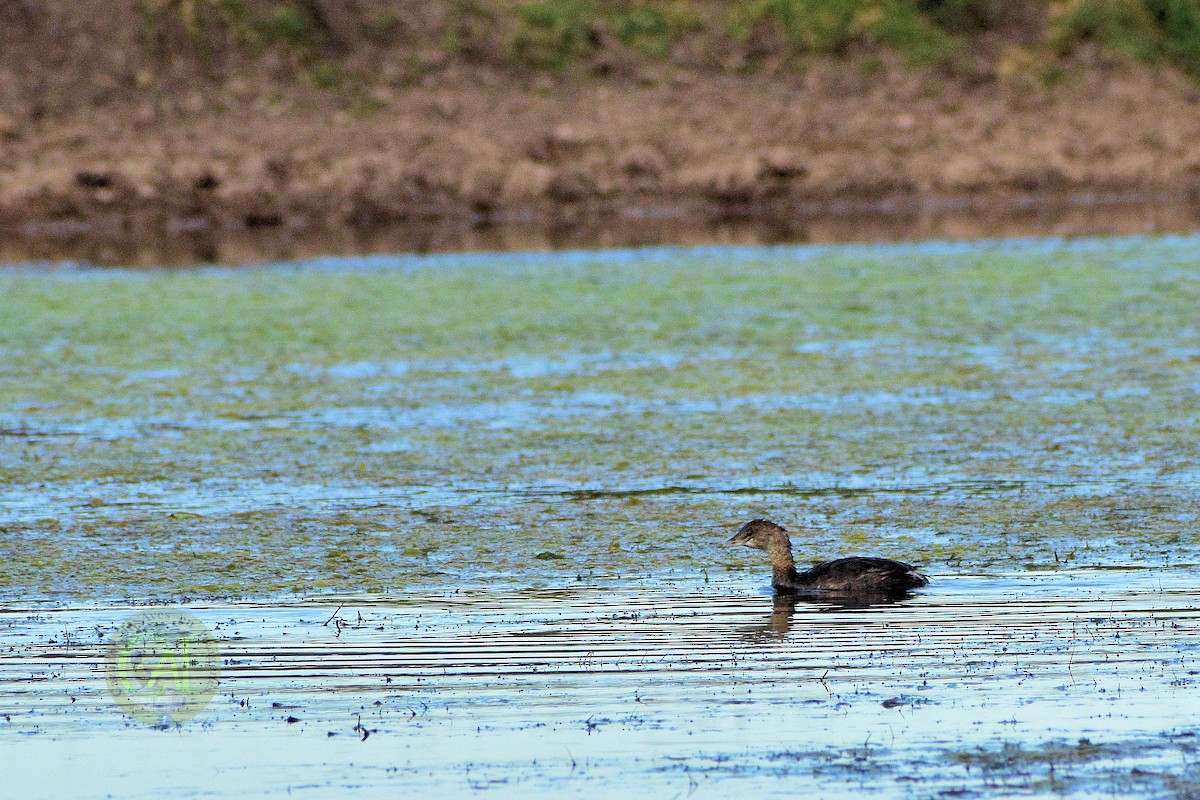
(113, 242)
(162, 667)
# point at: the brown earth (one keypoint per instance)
(120, 149)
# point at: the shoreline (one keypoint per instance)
(465, 155)
(139, 239)
(348, 121)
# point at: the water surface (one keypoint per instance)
(408, 423)
(515, 474)
(1039, 685)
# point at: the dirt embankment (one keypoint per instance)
(105, 124)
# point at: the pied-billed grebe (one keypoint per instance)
(855, 575)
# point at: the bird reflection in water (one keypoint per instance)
(783, 607)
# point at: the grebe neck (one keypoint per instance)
(782, 564)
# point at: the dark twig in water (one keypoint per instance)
(331, 617)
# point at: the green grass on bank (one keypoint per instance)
(573, 37)
(1152, 31)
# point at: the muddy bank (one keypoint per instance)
(469, 150)
(776, 145)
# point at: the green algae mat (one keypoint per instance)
(529, 421)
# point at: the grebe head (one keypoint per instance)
(761, 534)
